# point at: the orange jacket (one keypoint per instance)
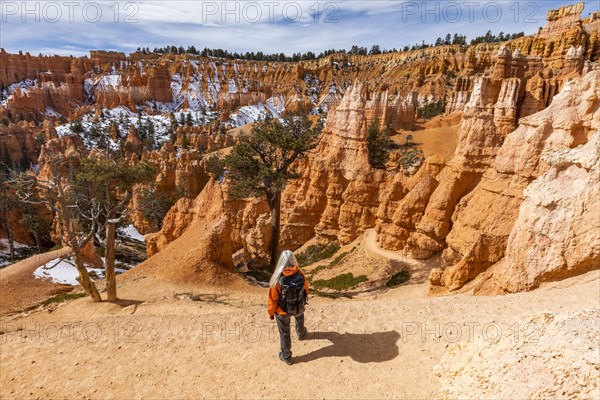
(274, 291)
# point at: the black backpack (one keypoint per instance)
(292, 298)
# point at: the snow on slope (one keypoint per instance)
(24, 86)
(274, 106)
(63, 271)
(97, 130)
(20, 249)
(131, 232)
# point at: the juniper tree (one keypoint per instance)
(263, 161)
(107, 185)
(150, 140)
(58, 194)
(37, 220)
(379, 143)
(85, 194)
(155, 204)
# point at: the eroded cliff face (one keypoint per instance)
(18, 144)
(473, 206)
(336, 198)
(204, 254)
(484, 219)
(556, 229)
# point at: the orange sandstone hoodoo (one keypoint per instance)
(288, 296)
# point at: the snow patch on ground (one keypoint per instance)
(63, 271)
(21, 251)
(50, 112)
(313, 87)
(97, 130)
(4, 248)
(273, 107)
(7, 93)
(109, 82)
(232, 86)
(131, 232)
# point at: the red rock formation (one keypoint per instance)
(565, 45)
(203, 255)
(18, 67)
(19, 145)
(561, 19)
(133, 143)
(551, 229)
(100, 57)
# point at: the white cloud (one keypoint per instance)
(207, 24)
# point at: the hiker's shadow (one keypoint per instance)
(361, 347)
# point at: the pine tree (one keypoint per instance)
(173, 121)
(185, 144)
(140, 125)
(379, 144)
(262, 162)
(149, 140)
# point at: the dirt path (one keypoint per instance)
(18, 287)
(201, 342)
(419, 269)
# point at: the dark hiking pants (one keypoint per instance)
(283, 325)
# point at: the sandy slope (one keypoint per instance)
(170, 341)
(18, 289)
(436, 136)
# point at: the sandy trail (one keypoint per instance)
(419, 268)
(162, 344)
(18, 288)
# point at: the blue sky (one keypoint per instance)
(75, 27)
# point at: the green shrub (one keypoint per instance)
(121, 265)
(433, 109)
(398, 278)
(340, 282)
(317, 252)
(63, 297)
(411, 156)
(261, 275)
(337, 260)
(320, 268)
(77, 127)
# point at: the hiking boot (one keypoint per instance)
(302, 335)
(288, 360)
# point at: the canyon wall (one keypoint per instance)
(528, 112)
(470, 207)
